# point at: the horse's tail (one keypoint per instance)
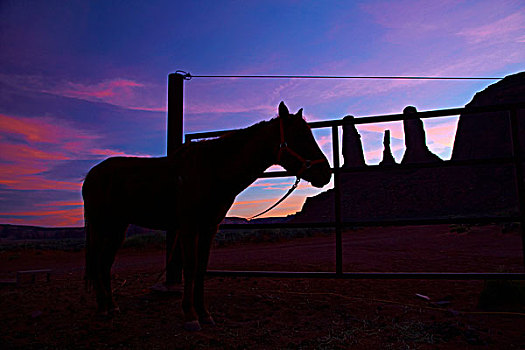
(92, 261)
(90, 268)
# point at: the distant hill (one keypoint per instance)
(20, 232)
(35, 232)
(269, 220)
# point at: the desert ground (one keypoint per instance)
(269, 313)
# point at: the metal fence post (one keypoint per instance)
(337, 201)
(175, 110)
(174, 140)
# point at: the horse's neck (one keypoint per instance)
(250, 153)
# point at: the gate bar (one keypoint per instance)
(337, 202)
(385, 118)
(373, 275)
(377, 223)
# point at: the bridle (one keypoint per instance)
(305, 165)
(283, 147)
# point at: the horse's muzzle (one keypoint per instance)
(318, 175)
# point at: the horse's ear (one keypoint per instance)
(283, 110)
(300, 113)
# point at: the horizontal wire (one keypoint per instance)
(190, 76)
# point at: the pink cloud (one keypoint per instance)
(149, 109)
(396, 128)
(440, 137)
(124, 93)
(21, 152)
(28, 182)
(443, 132)
(46, 142)
(412, 20)
(41, 129)
(54, 213)
(324, 141)
(270, 184)
(78, 146)
(22, 162)
(249, 208)
(121, 92)
(233, 107)
(106, 90)
(251, 203)
(375, 155)
(449, 37)
(409, 21)
(47, 217)
(509, 28)
(115, 153)
(21, 165)
(65, 203)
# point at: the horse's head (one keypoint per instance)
(298, 150)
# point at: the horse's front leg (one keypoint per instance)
(189, 254)
(204, 246)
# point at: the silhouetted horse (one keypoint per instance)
(189, 191)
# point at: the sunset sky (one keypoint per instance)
(84, 80)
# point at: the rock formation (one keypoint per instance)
(352, 147)
(415, 141)
(388, 158)
(444, 192)
(487, 135)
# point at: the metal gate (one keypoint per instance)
(175, 118)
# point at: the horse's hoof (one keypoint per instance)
(192, 326)
(207, 321)
(175, 289)
(104, 315)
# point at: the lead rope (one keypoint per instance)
(170, 256)
(294, 186)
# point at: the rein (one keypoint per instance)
(306, 164)
(294, 186)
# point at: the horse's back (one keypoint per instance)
(113, 163)
(107, 172)
(128, 188)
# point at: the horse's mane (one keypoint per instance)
(246, 132)
(226, 142)
(235, 136)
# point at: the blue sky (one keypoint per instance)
(84, 80)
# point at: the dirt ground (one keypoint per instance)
(268, 313)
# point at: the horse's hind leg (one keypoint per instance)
(189, 257)
(110, 239)
(95, 264)
(204, 246)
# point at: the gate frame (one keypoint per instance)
(174, 140)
